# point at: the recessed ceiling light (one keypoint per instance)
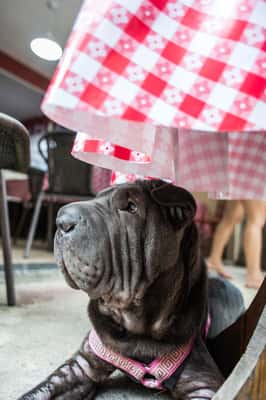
(46, 48)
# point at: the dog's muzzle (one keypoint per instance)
(66, 224)
(71, 250)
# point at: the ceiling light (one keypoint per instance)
(46, 48)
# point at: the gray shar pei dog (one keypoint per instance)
(134, 250)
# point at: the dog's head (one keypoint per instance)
(121, 241)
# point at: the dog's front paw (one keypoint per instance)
(78, 393)
(38, 393)
(59, 389)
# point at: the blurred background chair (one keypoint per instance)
(14, 159)
(28, 190)
(206, 222)
(67, 180)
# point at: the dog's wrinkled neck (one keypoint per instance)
(167, 315)
(131, 313)
(166, 306)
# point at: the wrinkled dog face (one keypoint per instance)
(119, 242)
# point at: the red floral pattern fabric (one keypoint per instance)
(156, 85)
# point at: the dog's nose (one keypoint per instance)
(67, 220)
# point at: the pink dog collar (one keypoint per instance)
(161, 369)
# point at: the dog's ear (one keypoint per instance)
(179, 204)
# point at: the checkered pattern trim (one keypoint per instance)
(228, 166)
(189, 64)
(132, 65)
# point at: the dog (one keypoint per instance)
(134, 250)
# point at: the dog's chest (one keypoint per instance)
(133, 320)
(136, 320)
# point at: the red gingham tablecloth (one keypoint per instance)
(169, 89)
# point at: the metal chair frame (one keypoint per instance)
(14, 155)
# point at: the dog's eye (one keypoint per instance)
(131, 207)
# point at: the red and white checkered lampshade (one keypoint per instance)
(170, 89)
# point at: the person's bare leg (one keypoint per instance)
(255, 211)
(233, 214)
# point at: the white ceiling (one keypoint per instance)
(20, 22)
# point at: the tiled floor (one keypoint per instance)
(48, 324)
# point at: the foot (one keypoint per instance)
(217, 267)
(254, 281)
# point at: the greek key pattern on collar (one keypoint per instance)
(129, 366)
(165, 366)
(161, 368)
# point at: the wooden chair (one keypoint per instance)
(15, 156)
(240, 353)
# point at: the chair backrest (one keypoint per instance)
(67, 175)
(14, 144)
